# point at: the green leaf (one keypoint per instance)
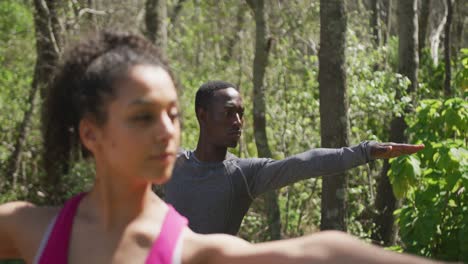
(404, 173)
(400, 188)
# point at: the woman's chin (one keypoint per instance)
(158, 175)
(159, 179)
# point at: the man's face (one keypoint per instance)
(224, 118)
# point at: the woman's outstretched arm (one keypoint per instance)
(9, 214)
(323, 247)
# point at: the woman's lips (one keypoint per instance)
(163, 157)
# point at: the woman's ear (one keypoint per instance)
(88, 134)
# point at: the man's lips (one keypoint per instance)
(235, 132)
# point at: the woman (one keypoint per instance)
(114, 99)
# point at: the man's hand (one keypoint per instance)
(391, 150)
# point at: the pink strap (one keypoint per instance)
(164, 246)
(56, 250)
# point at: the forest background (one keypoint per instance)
(326, 73)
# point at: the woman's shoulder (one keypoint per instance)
(25, 217)
(23, 225)
(22, 211)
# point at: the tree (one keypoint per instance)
(408, 62)
(234, 38)
(387, 6)
(176, 11)
(438, 18)
(460, 13)
(447, 57)
(423, 23)
(375, 21)
(334, 120)
(48, 41)
(262, 48)
(156, 22)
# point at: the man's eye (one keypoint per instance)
(229, 113)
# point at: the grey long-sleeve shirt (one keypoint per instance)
(216, 196)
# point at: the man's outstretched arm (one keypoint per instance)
(273, 174)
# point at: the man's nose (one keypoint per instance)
(238, 120)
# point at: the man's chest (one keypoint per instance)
(204, 196)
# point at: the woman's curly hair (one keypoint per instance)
(83, 85)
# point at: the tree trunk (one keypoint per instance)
(447, 57)
(385, 201)
(423, 24)
(234, 38)
(460, 12)
(155, 20)
(387, 5)
(375, 22)
(176, 11)
(408, 42)
(47, 49)
(408, 63)
(334, 119)
(56, 27)
(48, 39)
(260, 62)
(438, 28)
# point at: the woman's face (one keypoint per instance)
(141, 135)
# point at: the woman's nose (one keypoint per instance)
(166, 128)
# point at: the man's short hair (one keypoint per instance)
(205, 92)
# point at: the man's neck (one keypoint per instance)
(210, 153)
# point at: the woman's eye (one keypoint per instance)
(174, 114)
(143, 118)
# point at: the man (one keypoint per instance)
(214, 189)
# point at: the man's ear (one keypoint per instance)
(88, 134)
(201, 115)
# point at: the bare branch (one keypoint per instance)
(87, 10)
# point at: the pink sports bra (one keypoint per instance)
(166, 249)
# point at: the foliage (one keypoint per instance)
(432, 74)
(372, 87)
(16, 69)
(15, 20)
(434, 218)
(461, 76)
